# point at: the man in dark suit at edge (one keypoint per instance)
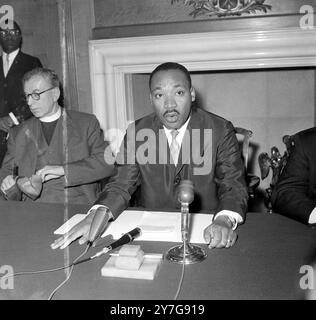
(295, 193)
(14, 64)
(219, 188)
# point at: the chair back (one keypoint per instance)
(246, 135)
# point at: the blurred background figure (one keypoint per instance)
(295, 193)
(14, 64)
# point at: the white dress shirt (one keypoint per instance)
(312, 217)
(179, 137)
(11, 56)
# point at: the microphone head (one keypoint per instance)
(135, 232)
(185, 191)
(99, 224)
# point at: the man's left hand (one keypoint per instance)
(220, 233)
(51, 172)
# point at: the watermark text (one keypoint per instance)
(6, 17)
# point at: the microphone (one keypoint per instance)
(185, 197)
(186, 253)
(126, 238)
(98, 225)
(185, 192)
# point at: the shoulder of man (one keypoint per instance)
(27, 57)
(81, 119)
(148, 121)
(210, 119)
(306, 137)
(79, 114)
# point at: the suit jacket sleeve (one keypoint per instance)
(118, 191)
(290, 196)
(22, 110)
(230, 174)
(8, 161)
(93, 167)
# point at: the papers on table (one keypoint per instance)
(155, 226)
(69, 224)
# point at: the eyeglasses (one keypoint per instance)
(13, 33)
(36, 95)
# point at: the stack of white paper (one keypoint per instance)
(155, 226)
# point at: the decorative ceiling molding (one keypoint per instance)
(224, 8)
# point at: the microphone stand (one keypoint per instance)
(186, 253)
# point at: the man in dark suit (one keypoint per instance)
(209, 157)
(14, 64)
(295, 193)
(62, 147)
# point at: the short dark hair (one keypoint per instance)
(43, 72)
(171, 66)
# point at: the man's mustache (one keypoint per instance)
(171, 111)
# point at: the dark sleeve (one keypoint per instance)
(230, 174)
(118, 191)
(37, 63)
(8, 161)
(93, 167)
(290, 195)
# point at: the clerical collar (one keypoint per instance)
(52, 117)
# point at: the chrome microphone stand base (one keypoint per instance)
(192, 254)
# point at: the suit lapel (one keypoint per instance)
(14, 64)
(65, 136)
(189, 146)
(1, 70)
(162, 146)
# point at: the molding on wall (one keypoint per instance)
(268, 22)
(112, 59)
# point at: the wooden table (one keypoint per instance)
(264, 263)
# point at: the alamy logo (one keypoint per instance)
(307, 20)
(307, 281)
(148, 147)
(6, 277)
(6, 17)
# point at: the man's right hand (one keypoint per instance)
(7, 183)
(6, 123)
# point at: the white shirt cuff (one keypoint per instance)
(96, 206)
(312, 217)
(14, 119)
(231, 214)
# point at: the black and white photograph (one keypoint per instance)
(157, 155)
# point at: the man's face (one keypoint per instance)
(47, 104)
(171, 97)
(10, 39)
